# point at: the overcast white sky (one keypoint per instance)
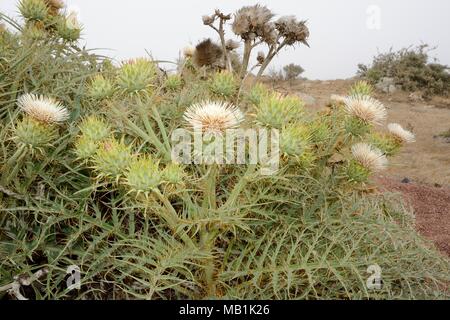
(343, 32)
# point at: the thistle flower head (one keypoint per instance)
(224, 84)
(35, 10)
(43, 109)
(54, 6)
(143, 175)
(100, 88)
(85, 147)
(112, 159)
(261, 57)
(338, 99)
(136, 75)
(361, 88)
(208, 20)
(253, 21)
(294, 140)
(365, 108)
(232, 45)
(401, 134)
(370, 158)
(174, 174)
(33, 133)
(68, 27)
(213, 117)
(188, 51)
(95, 129)
(208, 54)
(292, 30)
(173, 82)
(275, 110)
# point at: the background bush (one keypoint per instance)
(410, 68)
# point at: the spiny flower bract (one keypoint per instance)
(112, 159)
(275, 110)
(34, 134)
(143, 175)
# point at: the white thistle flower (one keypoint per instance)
(398, 132)
(72, 21)
(43, 109)
(213, 117)
(365, 108)
(189, 52)
(369, 157)
(338, 99)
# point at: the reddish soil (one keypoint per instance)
(431, 207)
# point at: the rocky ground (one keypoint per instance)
(422, 171)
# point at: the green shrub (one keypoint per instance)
(411, 69)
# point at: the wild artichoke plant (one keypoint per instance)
(105, 194)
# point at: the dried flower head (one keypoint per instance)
(365, 108)
(261, 57)
(369, 157)
(208, 54)
(232, 45)
(213, 117)
(292, 30)
(401, 134)
(253, 21)
(208, 20)
(54, 6)
(45, 110)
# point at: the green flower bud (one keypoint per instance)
(35, 134)
(85, 147)
(356, 127)
(36, 10)
(143, 176)
(256, 94)
(100, 88)
(293, 141)
(386, 143)
(276, 111)
(224, 84)
(361, 88)
(173, 82)
(112, 159)
(68, 28)
(174, 174)
(357, 173)
(137, 75)
(95, 129)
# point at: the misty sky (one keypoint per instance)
(340, 33)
